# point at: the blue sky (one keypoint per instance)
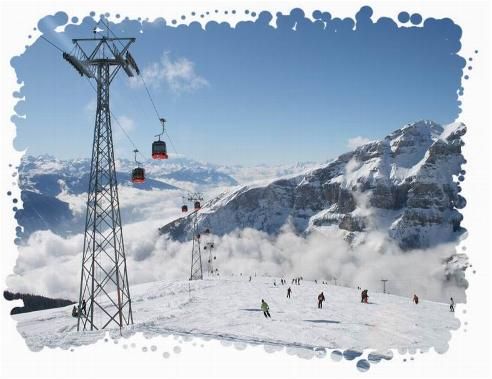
(250, 94)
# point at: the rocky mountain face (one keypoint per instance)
(405, 186)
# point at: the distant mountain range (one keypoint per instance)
(406, 186)
(45, 180)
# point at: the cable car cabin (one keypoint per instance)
(184, 208)
(197, 205)
(138, 175)
(159, 150)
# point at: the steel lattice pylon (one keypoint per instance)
(196, 254)
(104, 298)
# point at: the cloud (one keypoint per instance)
(355, 142)
(91, 107)
(121, 126)
(50, 265)
(178, 74)
(127, 123)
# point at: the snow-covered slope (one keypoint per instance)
(230, 309)
(405, 186)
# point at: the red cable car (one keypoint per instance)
(197, 205)
(138, 173)
(159, 150)
(184, 208)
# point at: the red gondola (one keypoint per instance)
(197, 205)
(138, 173)
(184, 208)
(159, 149)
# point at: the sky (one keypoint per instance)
(275, 89)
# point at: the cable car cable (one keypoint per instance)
(95, 90)
(51, 43)
(146, 90)
(118, 123)
(112, 114)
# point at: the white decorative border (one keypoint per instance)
(469, 353)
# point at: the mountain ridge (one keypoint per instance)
(402, 184)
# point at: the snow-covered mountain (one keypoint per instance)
(50, 176)
(405, 186)
(47, 182)
(50, 185)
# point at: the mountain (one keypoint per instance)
(49, 176)
(46, 182)
(402, 186)
(228, 309)
(49, 184)
(43, 212)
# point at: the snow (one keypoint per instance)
(229, 309)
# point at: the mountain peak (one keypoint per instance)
(401, 186)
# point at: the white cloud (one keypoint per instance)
(91, 107)
(127, 123)
(355, 142)
(50, 265)
(178, 74)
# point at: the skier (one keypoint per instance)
(74, 312)
(250, 278)
(288, 292)
(265, 308)
(415, 299)
(364, 297)
(451, 305)
(275, 283)
(321, 298)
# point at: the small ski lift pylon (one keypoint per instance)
(159, 149)
(138, 173)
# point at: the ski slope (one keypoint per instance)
(229, 308)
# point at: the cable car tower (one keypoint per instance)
(196, 254)
(104, 298)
